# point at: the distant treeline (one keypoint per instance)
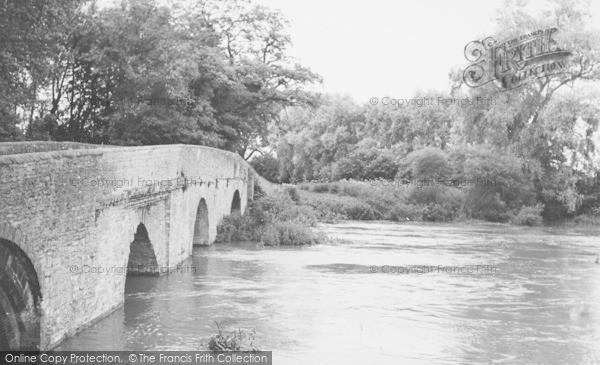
(537, 143)
(552, 160)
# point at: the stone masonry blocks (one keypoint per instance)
(75, 212)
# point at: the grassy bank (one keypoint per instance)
(393, 201)
(289, 215)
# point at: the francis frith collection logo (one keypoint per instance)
(513, 63)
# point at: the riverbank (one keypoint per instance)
(383, 200)
(288, 216)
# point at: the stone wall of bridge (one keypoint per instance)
(74, 214)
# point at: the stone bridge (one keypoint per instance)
(69, 213)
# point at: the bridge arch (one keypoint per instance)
(142, 258)
(20, 297)
(201, 225)
(236, 203)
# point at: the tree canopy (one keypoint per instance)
(213, 73)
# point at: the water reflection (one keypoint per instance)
(323, 304)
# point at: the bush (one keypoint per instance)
(403, 212)
(266, 166)
(258, 192)
(453, 199)
(334, 188)
(320, 188)
(589, 188)
(424, 195)
(273, 220)
(349, 188)
(384, 166)
(392, 200)
(344, 207)
(351, 199)
(490, 207)
(437, 213)
(589, 219)
(239, 340)
(426, 163)
(293, 193)
(529, 216)
(235, 228)
(289, 233)
(360, 211)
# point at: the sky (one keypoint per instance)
(377, 48)
(393, 48)
(382, 47)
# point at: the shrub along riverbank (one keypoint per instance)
(424, 200)
(288, 216)
(274, 219)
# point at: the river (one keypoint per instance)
(385, 293)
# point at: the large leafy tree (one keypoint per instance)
(30, 34)
(261, 80)
(551, 119)
(220, 66)
(409, 124)
(311, 140)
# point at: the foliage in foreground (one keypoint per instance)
(240, 340)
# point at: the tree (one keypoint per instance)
(267, 166)
(311, 140)
(30, 31)
(539, 122)
(263, 80)
(224, 64)
(412, 123)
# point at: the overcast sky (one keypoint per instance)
(377, 48)
(383, 47)
(386, 47)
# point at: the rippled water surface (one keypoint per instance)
(387, 294)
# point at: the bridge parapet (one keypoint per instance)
(76, 212)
